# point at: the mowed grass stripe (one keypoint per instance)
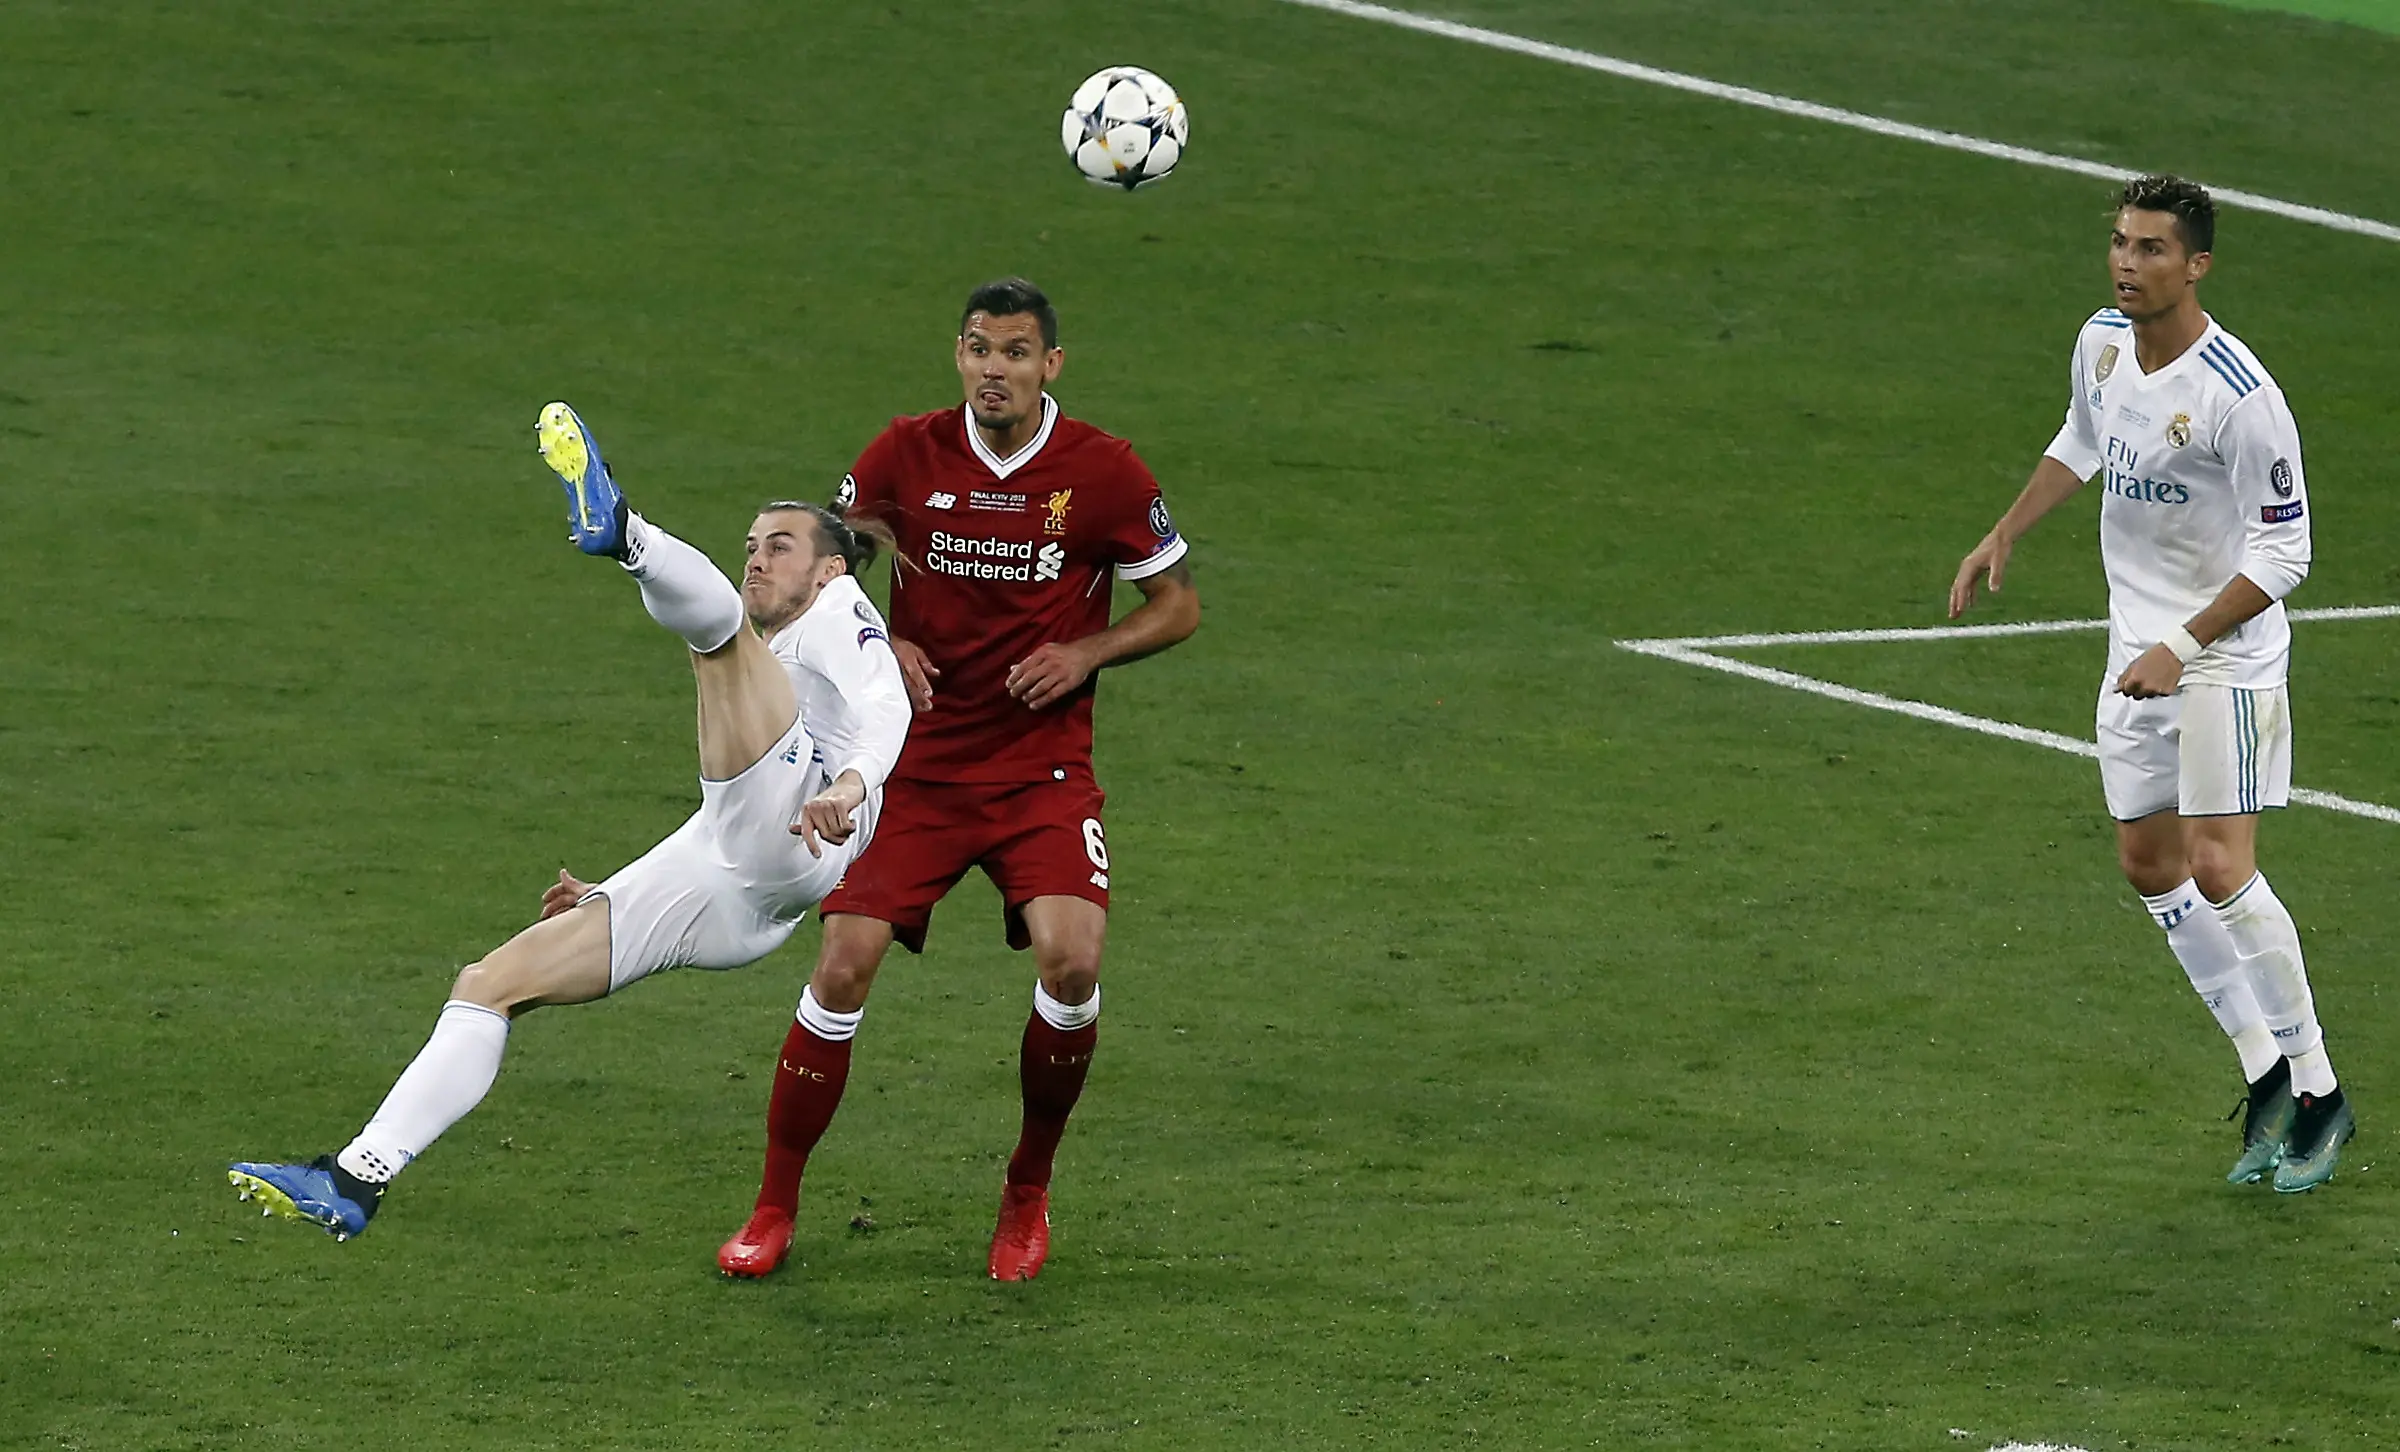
(1836, 115)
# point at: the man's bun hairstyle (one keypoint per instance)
(857, 541)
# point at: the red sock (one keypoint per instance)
(1050, 1069)
(808, 1088)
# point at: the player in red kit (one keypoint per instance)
(1012, 521)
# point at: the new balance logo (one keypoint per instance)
(1100, 881)
(1049, 563)
(939, 500)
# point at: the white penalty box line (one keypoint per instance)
(1701, 650)
(1834, 115)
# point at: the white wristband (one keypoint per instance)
(2183, 643)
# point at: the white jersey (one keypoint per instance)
(2202, 478)
(853, 702)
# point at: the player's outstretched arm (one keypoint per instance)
(1167, 616)
(2052, 483)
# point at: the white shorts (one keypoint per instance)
(728, 886)
(2207, 751)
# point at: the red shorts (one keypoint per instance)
(1032, 839)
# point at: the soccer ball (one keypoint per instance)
(1125, 128)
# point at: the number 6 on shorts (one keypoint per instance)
(1095, 843)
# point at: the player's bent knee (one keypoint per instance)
(563, 959)
(847, 957)
(491, 985)
(1071, 974)
(839, 988)
(2220, 869)
(2152, 862)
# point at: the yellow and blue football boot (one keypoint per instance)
(595, 506)
(320, 1192)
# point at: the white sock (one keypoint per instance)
(684, 592)
(2213, 962)
(1065, 1017)
(833, 1028)
(2269, 941)
(448, 1077)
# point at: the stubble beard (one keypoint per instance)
(771, 619)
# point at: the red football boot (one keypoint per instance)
(1021, 1241)
(760, 1245)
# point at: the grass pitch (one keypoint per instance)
(1511, 1042)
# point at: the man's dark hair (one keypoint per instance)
(856, 540)
(1007, 298)
(2195, 214)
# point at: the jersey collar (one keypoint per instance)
(2147, 380)
(1002, 468)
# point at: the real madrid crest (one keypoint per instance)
(2179, 430)
(2106, 365)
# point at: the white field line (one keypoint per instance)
(1977, 632)
(1696, 651)
(1857, 120)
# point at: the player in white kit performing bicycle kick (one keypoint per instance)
(802, 715)
(2203, 530)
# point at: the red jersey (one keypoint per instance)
(1011, 554)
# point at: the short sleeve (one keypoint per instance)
(2261, 447)
(2077, 443)
(1143, 539)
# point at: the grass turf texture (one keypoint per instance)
(1511, 1041)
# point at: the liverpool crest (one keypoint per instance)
(1057, 522)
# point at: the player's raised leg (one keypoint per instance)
(1053, 1058)
(561, 959)
(746, 700)
(809, 1077)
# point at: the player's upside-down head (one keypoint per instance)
(796, 549)
(2160, 245)
(1007, 354)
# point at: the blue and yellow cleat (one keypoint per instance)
(595, 506)
(320, 1192)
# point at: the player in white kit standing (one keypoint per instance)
(2203, 530)
(802, 715)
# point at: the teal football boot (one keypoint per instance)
(2320, 1127)
(2267, 1112)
